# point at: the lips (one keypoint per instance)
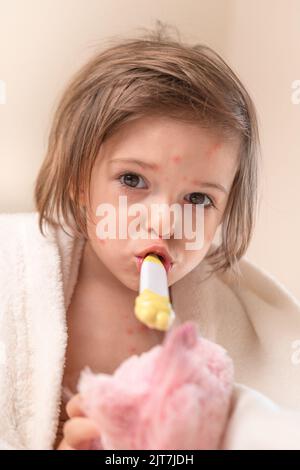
(159, 251)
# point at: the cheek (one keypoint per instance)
(193, 257)
(104, 192)
(210, 221)
(108, 252)
(210, 234)
(210, 226)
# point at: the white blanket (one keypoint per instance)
(257, 320)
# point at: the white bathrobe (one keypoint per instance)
(256, 320)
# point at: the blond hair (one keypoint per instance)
(132, 78)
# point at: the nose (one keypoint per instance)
(161, 220)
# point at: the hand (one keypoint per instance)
(79, 431)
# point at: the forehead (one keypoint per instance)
(167, 141)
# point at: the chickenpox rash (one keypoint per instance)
(213, 149)
(156, 167)
(176, 159)
(141, 328)
(132, 350)
(129, 331)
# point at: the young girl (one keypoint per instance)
(160, 122)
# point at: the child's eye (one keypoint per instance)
(199, 198)
(132, 180)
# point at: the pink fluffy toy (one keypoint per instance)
(174, 396)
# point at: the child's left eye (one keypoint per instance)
(132, 180)
(199, 198)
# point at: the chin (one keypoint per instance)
(130, 283)
(134, 286)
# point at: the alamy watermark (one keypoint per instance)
(2, 92)
(295, 98)
(2, 354)
(142, 217)
(295, 358)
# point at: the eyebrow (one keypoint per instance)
(153, 166)
(212, 185)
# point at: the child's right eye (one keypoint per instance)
(132, 180)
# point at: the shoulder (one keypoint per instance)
(257, 282)
(263, 296)
(21, 242)
(24, 247)
(274, 314)
(23, 226)
(13, 227)
(20, 232)
(14, 223)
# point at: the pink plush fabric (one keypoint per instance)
(175, 396)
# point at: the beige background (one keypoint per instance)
(42, 42)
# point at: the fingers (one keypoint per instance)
(79, 433)
(64, 446)
(74, 406)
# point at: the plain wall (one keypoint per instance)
(263, 45)
(43, 42)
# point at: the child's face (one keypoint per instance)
(181, 156)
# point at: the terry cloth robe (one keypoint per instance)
(256, 320)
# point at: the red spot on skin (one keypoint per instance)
(132, 350)
(176, 159)
(156, 167)
(213, 149)
(129, 331)
(184, 178)
(141, 328)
